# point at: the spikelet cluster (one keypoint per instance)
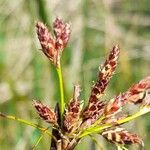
(76, 119)
(53, 43)
(100, 117)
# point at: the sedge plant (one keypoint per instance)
(72, 122)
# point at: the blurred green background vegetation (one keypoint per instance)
(25, 73)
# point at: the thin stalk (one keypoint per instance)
(98, 129)
(121, 147)
(98, 121)
(39, 139)
(62, 103)
(26, 122)
(96, 142)
(138, 114)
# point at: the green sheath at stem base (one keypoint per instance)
(62, 103)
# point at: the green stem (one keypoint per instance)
(96, 142)
(138, 114)
(39, 139)
(37, 142)
(98, 121)
(42, 129)
(62, 103)
(98, 129)
(121, 147)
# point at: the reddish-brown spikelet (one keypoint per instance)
(139, 93)
(45, 112)
(95, 107)
(105, 73)
(116, 103)
(62, 32)
(47, 42)
(72, 114)
(136, 94)
(113, 119)
(53, 46)
(121, 136)
(92, 112)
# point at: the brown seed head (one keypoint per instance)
(72, 114)
(105, 73)
(92, 112)
(96, 107)
(121, 136)
(48, 43)
(62, 32)
(140, 92)
(53, 46)
(45, 112)
(116, 104)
